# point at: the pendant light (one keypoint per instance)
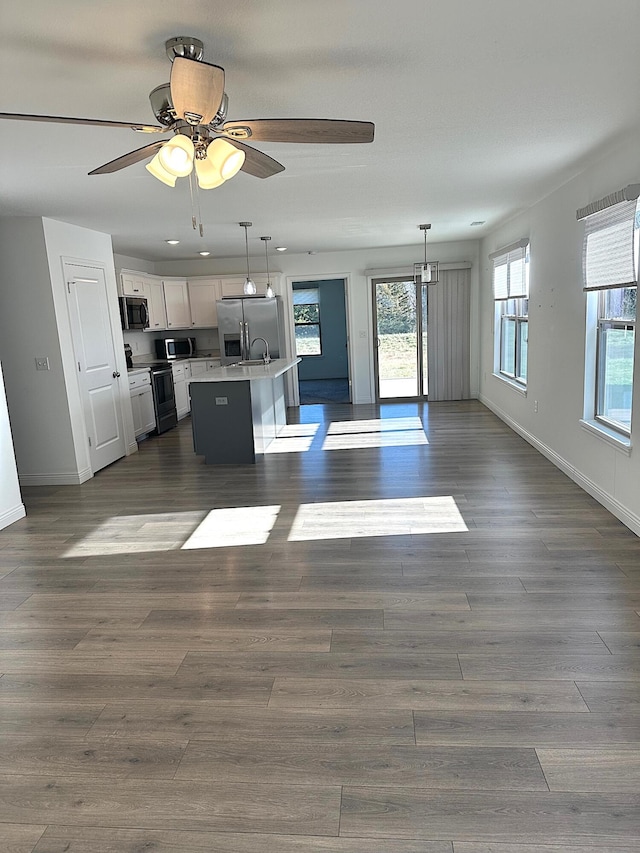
(269, 290)
(249, 287)
(426, 272)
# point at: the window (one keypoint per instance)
(306, 317)
(610, 272)
(614, 362)
(514, 335)
(511, 295)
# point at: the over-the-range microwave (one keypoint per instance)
(175, 347)
(134, 312)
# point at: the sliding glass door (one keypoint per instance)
(400, 358)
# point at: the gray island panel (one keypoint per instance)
(236, 412)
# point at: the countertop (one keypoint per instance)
(243, 373)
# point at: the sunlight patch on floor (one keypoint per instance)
(242, 525)
(171, 531)
(390, 432)
(127, 534)
(294, 438)
(392, 517)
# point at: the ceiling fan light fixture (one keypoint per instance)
(225, 157)
(177, 156)
(209, 176)
(158, 171)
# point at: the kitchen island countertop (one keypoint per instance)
(244, 372)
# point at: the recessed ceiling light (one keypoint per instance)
(478, 222)
(281, 248)
(204, 254)
(172, 242)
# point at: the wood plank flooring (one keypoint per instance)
(379, 639)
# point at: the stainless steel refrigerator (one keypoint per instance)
(242, 320)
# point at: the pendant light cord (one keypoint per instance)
(246, 246)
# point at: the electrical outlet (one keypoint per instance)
(42, 364)
(363, 334)
(535, 405)
(222, 401)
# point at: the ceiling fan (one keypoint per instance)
(193, 106)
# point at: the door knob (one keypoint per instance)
(116, 374)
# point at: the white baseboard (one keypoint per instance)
(14, 514)
(132, 448)
(630, 519)
(68, 479)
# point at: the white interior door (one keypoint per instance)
(95, 357)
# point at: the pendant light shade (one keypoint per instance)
(177, 155)
(249, 288)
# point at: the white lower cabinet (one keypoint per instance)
(144, 416)
(181, 377)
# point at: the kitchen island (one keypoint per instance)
(238, 410)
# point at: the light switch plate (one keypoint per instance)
(42, 364)
(222, 401)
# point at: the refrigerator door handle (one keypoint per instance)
(247, 343)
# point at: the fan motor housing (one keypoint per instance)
(188, 47)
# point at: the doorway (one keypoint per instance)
(92, 334)
(320, 329)
(400, 337)
(421, 336)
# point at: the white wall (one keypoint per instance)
(36, 399)
(11, 506)
(49, 436)
(353, 266)
(125, 262)
(557, 310)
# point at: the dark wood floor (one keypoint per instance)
(379, 639)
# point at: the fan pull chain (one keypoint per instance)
(196, 222)
(193, 213)
(200, 226)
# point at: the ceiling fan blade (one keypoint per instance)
(129, 159)
(196, 90)
(257, 163)
(300, 130)
(141, 128)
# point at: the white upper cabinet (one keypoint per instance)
(176, 299)
(235, 286)
(154, 292)
(132, 283)
(203, 295)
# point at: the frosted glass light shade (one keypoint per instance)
(208, 175)
(225, 157)
(158, 171)
(176, 156)
(249, 287)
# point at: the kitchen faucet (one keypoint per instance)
(266, 357)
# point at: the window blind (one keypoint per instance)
(305, 296)
(510, 271)
(609, 249)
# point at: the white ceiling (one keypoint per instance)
(480, 108)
